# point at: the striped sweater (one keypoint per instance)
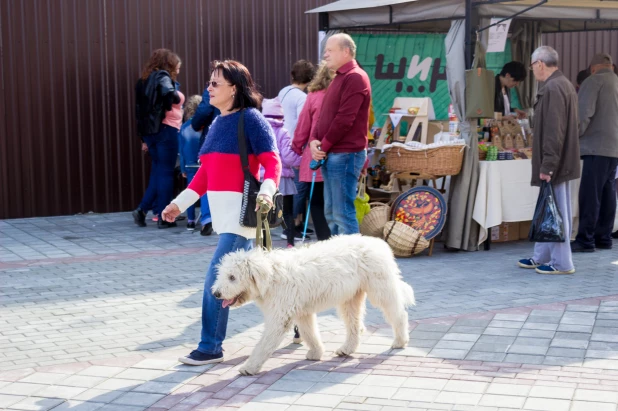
(221, 175)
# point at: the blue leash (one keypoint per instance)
(309, 207)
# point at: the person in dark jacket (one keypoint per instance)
(511, 75)
(204, 116)
(189, 147)
(555, 157)
(598, 121)
(581, 77)
(158, 106)
(201, 121)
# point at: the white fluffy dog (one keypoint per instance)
(291, 286)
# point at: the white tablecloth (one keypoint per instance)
(505, 195)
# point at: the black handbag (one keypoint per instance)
(248, 215)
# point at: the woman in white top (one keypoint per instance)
(292, 100)
(293, 97)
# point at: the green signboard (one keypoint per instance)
(412, 65)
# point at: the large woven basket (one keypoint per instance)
(403, 239)
(439, 161)
(373, 223)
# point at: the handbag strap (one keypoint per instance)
(479, 56)
(262, 220)
(242, 145)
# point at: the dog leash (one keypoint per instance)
(262, 222)
(309, 207)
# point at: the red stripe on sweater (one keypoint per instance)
(223, 172)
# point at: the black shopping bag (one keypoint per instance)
(547, 224)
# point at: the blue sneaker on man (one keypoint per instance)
(528, 263)
(199, 358)
(550, 269)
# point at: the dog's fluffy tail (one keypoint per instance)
(407, 293)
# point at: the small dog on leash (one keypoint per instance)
(291, 286)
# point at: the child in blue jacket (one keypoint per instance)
(189, 147)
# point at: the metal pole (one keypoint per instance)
(468, 38)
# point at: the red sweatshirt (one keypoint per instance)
(344, 117)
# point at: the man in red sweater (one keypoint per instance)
(341, 133)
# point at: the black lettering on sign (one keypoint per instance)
(390, 73)
(436, 75)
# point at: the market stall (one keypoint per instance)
(474, 188)
(505, 196)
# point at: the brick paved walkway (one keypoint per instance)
(94, 311)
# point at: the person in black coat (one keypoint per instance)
(157, 106)
(511, 75)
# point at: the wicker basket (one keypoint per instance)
(440, 161)
(403, 239)
(374, 221)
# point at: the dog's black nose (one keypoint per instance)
(217, 294)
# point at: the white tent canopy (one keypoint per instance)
(557, 15)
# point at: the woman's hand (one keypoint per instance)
(170, 213)
(264, 202)
(144, 147)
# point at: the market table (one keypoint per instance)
(504, 195)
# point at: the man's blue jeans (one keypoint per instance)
(204, 207)
(163, 150)
(214, 317)
(341, 173)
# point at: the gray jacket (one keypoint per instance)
(555, 148)
(598, 115)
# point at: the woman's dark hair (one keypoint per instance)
(303, 72)
(247, 95)
(161, 59)
(581, 76)
(516, 70)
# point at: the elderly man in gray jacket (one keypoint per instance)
(555, 154)
(598, 128)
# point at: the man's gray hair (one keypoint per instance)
(547, 55)
(346, 42)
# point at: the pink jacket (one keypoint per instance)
(306, 123)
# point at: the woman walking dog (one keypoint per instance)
(221, 176)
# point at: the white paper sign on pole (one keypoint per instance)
(498, 35)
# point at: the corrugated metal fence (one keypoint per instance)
(68, 70)
(576, 49)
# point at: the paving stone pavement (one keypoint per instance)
(94, 311)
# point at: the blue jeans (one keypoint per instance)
(341, 173)
(205, 208)
(163, 150)
(214, 317)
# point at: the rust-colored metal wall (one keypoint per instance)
(67, 73)
(576, 49)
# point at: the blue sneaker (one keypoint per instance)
(550, 269)
(528, 263)
(199, 358)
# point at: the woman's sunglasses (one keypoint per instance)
(215, 84)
